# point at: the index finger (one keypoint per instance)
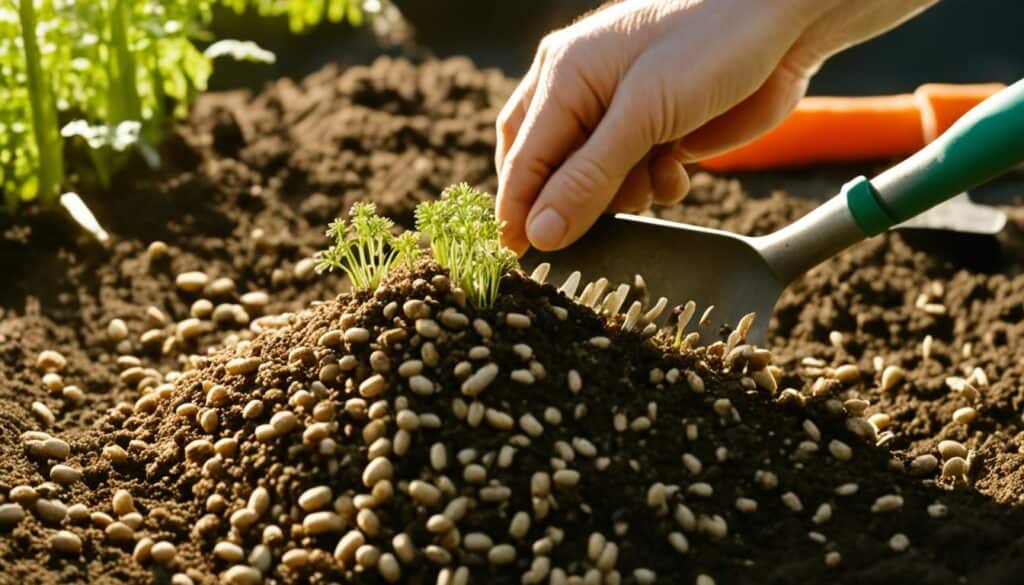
(550, 131)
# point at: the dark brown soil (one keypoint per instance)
(254, 180)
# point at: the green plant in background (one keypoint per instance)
(465, 238)
(112, 76)
(364, 247)
(305, 14)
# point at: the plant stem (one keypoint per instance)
(44, 109)
(124, 97)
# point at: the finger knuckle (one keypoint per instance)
(583, 179)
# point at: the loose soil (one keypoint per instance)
(251, 183)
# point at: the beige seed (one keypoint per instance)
(295, 558)
(792, 501)
(377, 470)
(65, 474)
(480, 380)
(955, 467)
(315, 498)
(428, 328)
(899, 542)
(119, 533)
(949, 448)
(439, 523)
(404, 548)
(424, 493)
(521, 376)
(388, 568)
(11, 514)
(243, 519)
(122, 502)
(44, 414)
(501, 554)
(66, 543)
(51, 361)
(847, 374)
(530, 425)
(937, 510)
(746, 505)
(357, 335)
(965, 415)
(477, 542)
(191, 282)
(229, 552)
(608, 558)
(891, 376)
(51, 511)
(163, 552)
(887, 503)
(517, 320)
(840, 450)
(242, 575)
(373, 386)
(679, 542)
(368, 522)
(322, 522)
(519, 526)
(345, 551)
(566, 478)
(242, 366)
(923, 464)
(499, 420)
(140, 554)
(117, 330)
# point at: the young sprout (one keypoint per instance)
(364, 247)
(682, 321)
(465, 238)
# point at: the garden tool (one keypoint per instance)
(738, 274)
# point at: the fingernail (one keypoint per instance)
(547, 229)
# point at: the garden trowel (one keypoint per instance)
(738, 274)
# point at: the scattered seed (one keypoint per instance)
(66, 543)
(899, 542)
(840, 450)
(163, 552)
(887, 503)
(792, 501)
(517, 320)
(965, 415)
(243, 574)
(191, 282)
(11, 514)
(949, 448)
(322, 522)
(480, 380)
(955, 467)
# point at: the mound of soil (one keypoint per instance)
(251, 183)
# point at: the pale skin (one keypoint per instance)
(614, 105)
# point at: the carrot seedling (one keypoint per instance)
(465, 238)
(364, 247)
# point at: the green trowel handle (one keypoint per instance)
(985, 143)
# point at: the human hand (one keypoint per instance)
(614, 104)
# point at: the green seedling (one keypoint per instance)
(465, 238)
(364, 247)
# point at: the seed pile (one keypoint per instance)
(405, 437)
